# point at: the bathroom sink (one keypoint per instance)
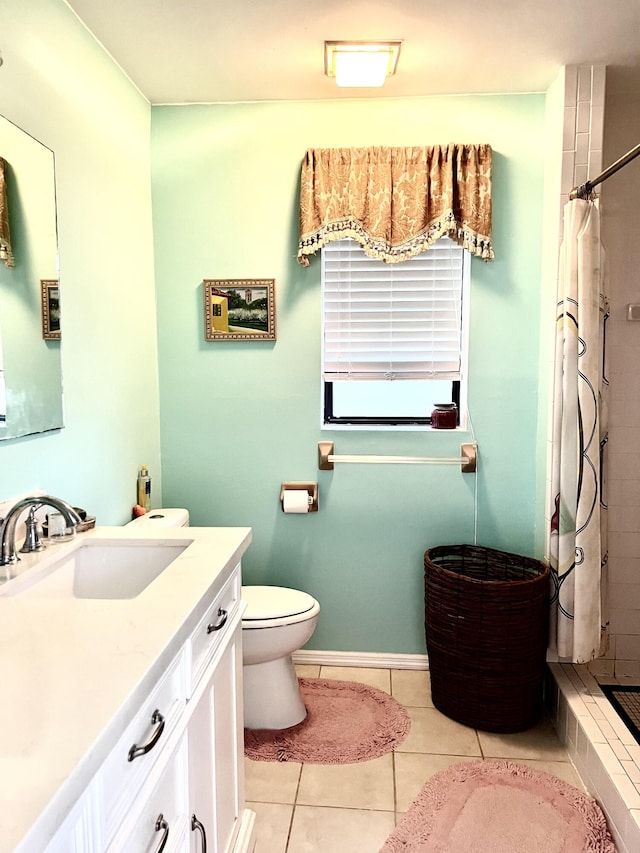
(107, 569)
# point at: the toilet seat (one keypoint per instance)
(270, 606)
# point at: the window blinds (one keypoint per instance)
(392, 321)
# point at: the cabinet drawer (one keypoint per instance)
(164, 811)
(213, 626)
(136, 752)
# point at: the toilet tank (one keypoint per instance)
(172, 517)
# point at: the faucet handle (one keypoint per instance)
(32, 541)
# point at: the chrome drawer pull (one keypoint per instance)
(161, 824)
(195, 824)
(222, 618)
(136, 751)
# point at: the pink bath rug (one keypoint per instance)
(500, 807)
(346, 723)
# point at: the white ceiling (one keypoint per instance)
(184, 51)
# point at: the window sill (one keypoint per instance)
(390, 428)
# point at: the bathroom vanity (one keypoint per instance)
(121, 704)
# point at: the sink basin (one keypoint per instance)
(111, 569)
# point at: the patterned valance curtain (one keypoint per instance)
(396, 202)
(6, 255)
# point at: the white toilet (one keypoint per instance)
(277, 622)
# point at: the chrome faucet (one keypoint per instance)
(8, 553)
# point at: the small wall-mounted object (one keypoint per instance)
(239, 309)
(468, 459)
(633, 312)
(50, 297)
(299, 497)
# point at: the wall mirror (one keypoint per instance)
(30, 359)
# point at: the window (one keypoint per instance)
(402, 322)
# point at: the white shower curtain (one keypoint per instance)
(578, 525)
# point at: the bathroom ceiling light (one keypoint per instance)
(360, 64)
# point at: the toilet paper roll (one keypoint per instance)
(295, 500)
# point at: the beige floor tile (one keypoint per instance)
(432, 732)
(272, 826)
(379, 678)
(365, 785)
(307, 670)
(562, 769)
(316, 829)
(412, 688)
(355, 807)
(413, 770)
(540, 742)
(271, 781)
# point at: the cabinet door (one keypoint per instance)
(215, 750)
(80, 831)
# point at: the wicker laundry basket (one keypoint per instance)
(486, 621)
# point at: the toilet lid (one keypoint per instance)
(274, 602)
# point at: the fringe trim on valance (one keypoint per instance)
(445, 226)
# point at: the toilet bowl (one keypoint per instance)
(277, 622)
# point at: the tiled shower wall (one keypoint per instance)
(598, 128)
(603, 750)
(582, 142)
(576, 114)
(620, 195)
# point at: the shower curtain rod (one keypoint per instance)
(584, 190)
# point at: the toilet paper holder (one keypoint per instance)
(311, 488)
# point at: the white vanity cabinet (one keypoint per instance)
(78, 832)
(215, 727)
(174, 780)
(157, 819)
(215, 753)
(141, 753)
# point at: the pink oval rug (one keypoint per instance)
(501, 807)
(346, 723)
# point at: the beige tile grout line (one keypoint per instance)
(293, 809)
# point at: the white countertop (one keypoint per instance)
(73, 671)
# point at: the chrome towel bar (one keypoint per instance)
(468, 459)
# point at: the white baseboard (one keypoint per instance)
(366, 659)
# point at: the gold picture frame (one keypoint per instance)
(50, 294)
(239, 309)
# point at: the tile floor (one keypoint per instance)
(353, 808)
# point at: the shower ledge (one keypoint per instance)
(604, 752)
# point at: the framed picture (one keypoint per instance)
(50, 291)
(239, 309)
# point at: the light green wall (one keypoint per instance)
(59, 85)
(238, 418)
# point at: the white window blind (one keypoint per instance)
(392, 321)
